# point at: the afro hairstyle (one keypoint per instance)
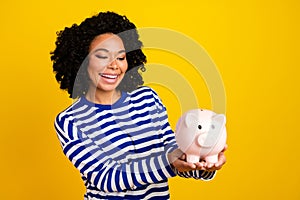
(72, 48)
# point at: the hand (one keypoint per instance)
(178, 160)
(219, 164)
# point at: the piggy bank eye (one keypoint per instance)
(199, 127)
(213, 126)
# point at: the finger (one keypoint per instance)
(182, 157)
(225, 148)
(200, 165)
(188, 165)
(183, 166)
(210, 165)
(221, 161)
(178, 153)
(209, 169)
(174, 155)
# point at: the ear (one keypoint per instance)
(190, 119)
(220, 118)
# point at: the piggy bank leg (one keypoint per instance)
(192, 158)
(212, 158)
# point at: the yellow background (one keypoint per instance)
(255, 45)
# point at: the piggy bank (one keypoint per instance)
(201, 135)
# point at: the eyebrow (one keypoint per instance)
(107, 51)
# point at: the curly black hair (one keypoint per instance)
(72, 48)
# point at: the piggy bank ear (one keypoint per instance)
(219, 118)
(190, 119)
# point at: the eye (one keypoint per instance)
(199, 127)
(101, 57)
(213, 126)
(121, 58)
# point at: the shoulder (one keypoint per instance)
(67, 115)
(66, 119)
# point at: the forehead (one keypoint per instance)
(108, 41)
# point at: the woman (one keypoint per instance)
(117, 132)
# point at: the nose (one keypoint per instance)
(113, 65)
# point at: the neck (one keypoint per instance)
(103, 97)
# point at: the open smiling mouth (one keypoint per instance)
(109, 76)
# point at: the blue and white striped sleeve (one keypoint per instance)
(105, 173)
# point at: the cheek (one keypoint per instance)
(93, 68)
(90, 72)
(124, 66)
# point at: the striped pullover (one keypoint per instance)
(121, 149)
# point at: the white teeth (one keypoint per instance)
(110, 76)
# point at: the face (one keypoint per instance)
(107, 62)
